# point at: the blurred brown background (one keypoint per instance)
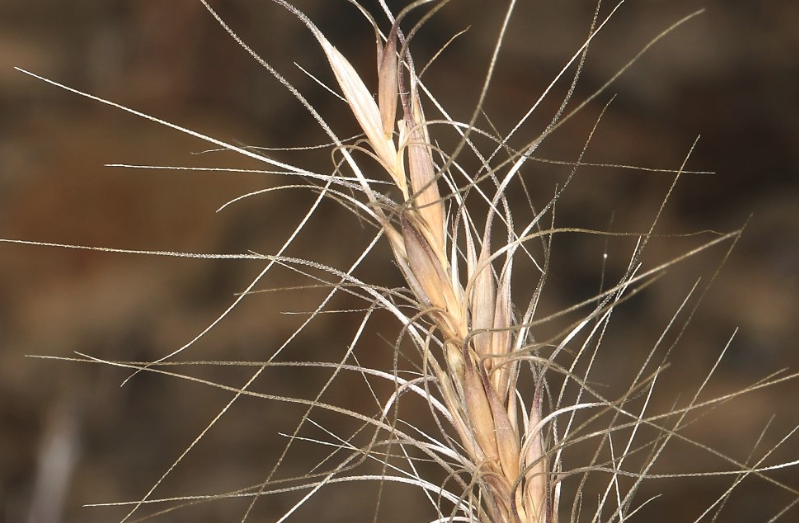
(731, 76)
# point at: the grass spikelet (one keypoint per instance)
(496, 453)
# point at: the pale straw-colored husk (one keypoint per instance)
(474, 321)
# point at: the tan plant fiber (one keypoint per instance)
(475, 322)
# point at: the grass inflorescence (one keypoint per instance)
(494, 394)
